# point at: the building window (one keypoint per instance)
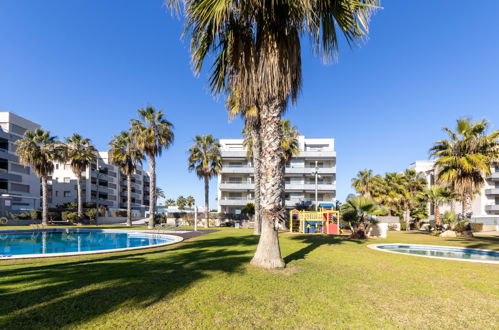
(67, 180)
(67, 193)
(56, 166)
(19, 187)
(56, 193)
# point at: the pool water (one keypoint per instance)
(443, 252)
(68, 241)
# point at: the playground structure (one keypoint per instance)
(308, 222)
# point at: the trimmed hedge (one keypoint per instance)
(476, 226)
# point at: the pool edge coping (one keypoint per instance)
(375, 247)
(176, 239)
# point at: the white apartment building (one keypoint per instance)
(236, 182)
(485, 206)
(106, 181)
(19, 185)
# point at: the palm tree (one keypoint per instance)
(125, 155)
(437, 195)
(409, 186)
(358, 212)
(80, 152)
(181, 202)
(289, 143)
(255, 46)
(39, 150)
(151, 134)
(190, 201)
(205, 158)
(160, 193)
(465, 159)
(170, 202)
(363, 183)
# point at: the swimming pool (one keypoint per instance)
(441, 252)
(62, 242)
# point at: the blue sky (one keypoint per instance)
(86, 65)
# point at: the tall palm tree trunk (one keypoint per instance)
(206, 201)
(255, 137)
(268, 252)
(407, 216)
(466, 204)
(129, 200)
(44, 201)
(80, 197)
(152, 191)
(436, 210)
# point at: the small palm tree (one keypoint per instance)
(80, 153)
(190, 201)
(465, 159)
(205, 158)
(125, 155)
(39, 150)
(358, 212)
(289, 143)
(410, 185)
(151, 134)
(363, 183)
(170, 202)
(437, 195)
(160, 193)
(181, 202)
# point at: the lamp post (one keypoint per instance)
(316, 173)
(97, 168)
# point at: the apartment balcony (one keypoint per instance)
(494, 176)
(493, 191)
(5, 154)
(234, 201)
(234, 154)
(492, 207)
(309, 170)
(236, 186)
(310, 187)
(102, 189)
(10, 177)
(237, 169)
(328, 153)
(307, 201)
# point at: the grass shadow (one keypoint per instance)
(66, 293)
(314, 242)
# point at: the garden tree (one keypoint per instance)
(80, 152)
(181, 202)
(248, 209)
(358, 212)
(190, 201)
(256, 49)
(152, 133)
(410, 185)
(465, 159)
(436, 195)
(363, 183)
(206, 160)
(252, 143)
(160, 193)
(386, 191)
(170, 202)
(126, 156)
(39, 150)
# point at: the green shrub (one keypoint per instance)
(22, 216)
(460, 226)
(72, 216)
(54, 215)
(36, 214)
(476, 226)
(90, 214)
(436, 232)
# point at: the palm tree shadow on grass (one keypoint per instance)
(314, 242)
(70, 293)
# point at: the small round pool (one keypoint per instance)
(441, 252)
(62, 242)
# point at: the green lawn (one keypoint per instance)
(207, 283)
